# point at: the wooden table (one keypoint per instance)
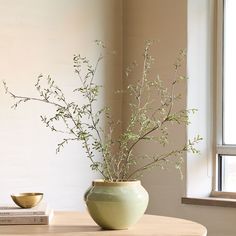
(74, 223)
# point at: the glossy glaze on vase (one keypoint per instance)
(116, 205)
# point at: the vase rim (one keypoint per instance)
(102, 182)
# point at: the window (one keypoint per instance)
(226, 97)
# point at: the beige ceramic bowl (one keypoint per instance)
(27, 200)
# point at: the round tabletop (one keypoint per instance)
(75, 223)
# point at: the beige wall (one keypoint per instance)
(42, 37)
(166, 20)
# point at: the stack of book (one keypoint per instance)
(39, 215)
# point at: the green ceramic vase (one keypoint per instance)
(116, 205)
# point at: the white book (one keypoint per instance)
(41, 209)
(27, 219)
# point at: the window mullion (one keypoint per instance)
(226, 150)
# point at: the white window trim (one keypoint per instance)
(200, 62)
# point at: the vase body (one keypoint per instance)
(116, 205)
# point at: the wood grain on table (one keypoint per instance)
(75, 223)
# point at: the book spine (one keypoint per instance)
(26, 213)
(24, 220)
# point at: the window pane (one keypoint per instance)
(229, 173)
(229, 84)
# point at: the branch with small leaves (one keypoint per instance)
(147, 123)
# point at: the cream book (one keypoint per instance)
(27, 219)
(40, 209)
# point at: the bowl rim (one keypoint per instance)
(27, 194)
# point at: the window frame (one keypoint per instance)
(221, 148)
